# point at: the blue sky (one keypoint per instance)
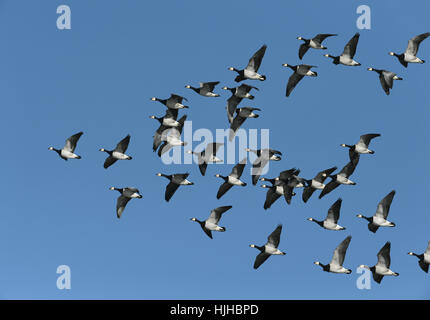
(98, 78)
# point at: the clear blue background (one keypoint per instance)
(98, 78)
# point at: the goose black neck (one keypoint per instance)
(118, 189)
(319, 222)
(419, 256)
(325, 267)
(259, 248)
(223, 177)
(163, 101)
(108, 151)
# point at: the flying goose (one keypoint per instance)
(336, 264)
(176, 180)
(299, 72)
(315, 43)
(263, 157)
(127, 194)
(206, 89)
(237, 94)
(342, 177)
(347, 57)
(208, 155)
(173, 102)
(241, 115)
(211, 223)
(270, 248)
(275, 191)
(169, 119)
(250, 72)
(386, 78)
(379, 219)
(362, 146)
(410, 55)
(233, 179)
(69, 147)
(330, 222)
(424, 259)
(316, 183)
(171, 137)
(166, 122)
(292, 180)
(242, 91)
(382, 268)
(118, 153)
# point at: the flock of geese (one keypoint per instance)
(168, 135)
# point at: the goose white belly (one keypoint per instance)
(174, 141)
(209, 94)
(234, 181)
(212, 226)
(69, 155)
(250, 74)
(412, 59)
(272, 250)
(317, 185)
(427, 258)
(381, 222)
(119, 155)
(300, 185)
(170, 122)
(135, 195)
(362, 149)
(185, 182)
(384, 271)
(347, 61)
(335, 268)
(314, 45)
(280, 190)
(343, 180)
(331, 225)
(176, 105)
